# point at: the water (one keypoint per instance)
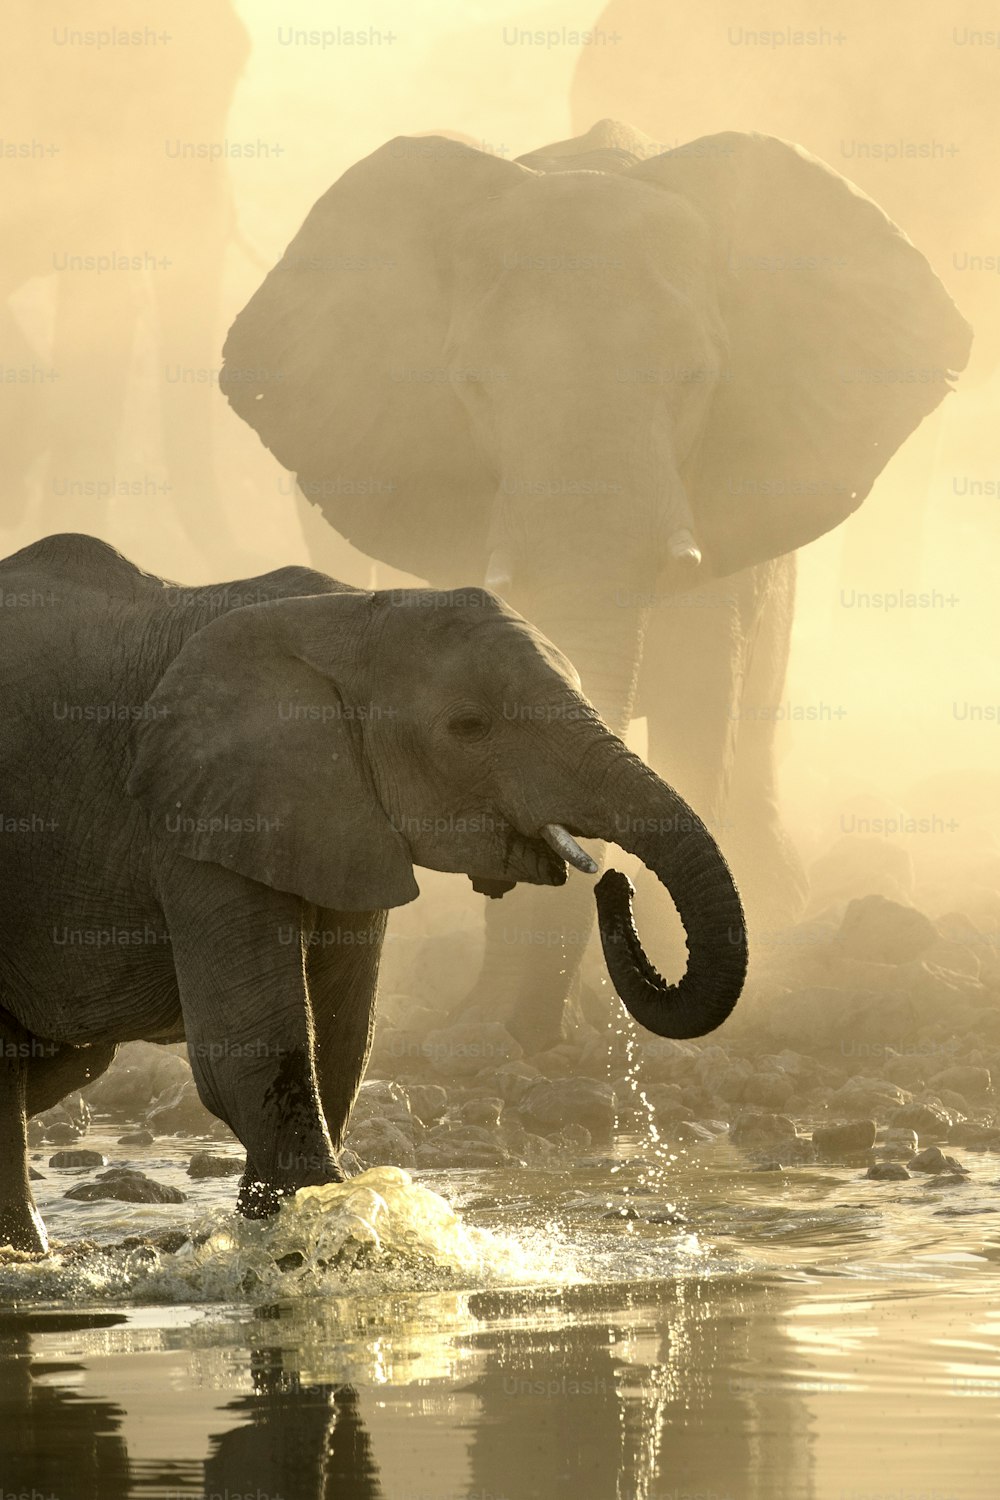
(629, 1328)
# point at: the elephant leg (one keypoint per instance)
(763, 856)
(239, 957)
(692, 671)
(535, 941)
(342, 961)
(713, 676)
(20, 1222)
(57, 1070)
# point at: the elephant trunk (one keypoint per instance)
(675, 845)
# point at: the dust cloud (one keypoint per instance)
(156, 167)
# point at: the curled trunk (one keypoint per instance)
(677, 847)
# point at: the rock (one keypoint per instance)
(869, 1096)
(167, 1241)
(137, 1138)
(954, 958)
(845, 1140)
(769, 1090)
(350, 1164)
(34, 1175)
(971, 1082)
(898, 1142)
(61, 1133)
(510, 1081)
(126, 1186)
(954, 1103)
(691, 1133)
(381, 1143)
(930, 1124)
(462, 1146)
(35, 1132)
(933, 1159)
(382, 1099)
(463, 1050)
(205, 1164)
(140, 1073)
(753, 1128)
(877, 930)
(574, 1138)
(665, 1060)
(553, 1103)
(179, 1110)
(665, 1101)
(484, 1112)
(428, 1101)
(769, 1166)
(537, 1149)
(888, 1171)
(556, 1062)
(78, 1158)
(729, 1082)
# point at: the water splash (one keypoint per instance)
(380, 1222)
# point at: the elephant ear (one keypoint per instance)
(250, 754)
(338, 363)
(841, 339)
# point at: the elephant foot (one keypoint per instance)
(22, 1229)
(261, 1198)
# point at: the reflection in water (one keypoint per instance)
(738, 1389)
(54, 1442)
(307, 1441)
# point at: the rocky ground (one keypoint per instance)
(869, 1033)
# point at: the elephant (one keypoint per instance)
(213, 796)
(921, 136)
(622, 385)
(116, 186)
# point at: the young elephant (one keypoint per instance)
(197, 780)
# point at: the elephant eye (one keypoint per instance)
(469, 726)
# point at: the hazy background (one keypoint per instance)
(894, 714)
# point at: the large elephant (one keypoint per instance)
(903, 100)
(212, 797)
(116, 186)
(605, 378)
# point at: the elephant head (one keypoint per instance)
(593, 372)
(324, 744)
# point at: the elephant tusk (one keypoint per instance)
(566, 846)
(498, 571)
(684, 549)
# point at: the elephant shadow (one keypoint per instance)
(292, 1439)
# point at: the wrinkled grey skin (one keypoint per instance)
(545, 372)
(212, 797)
